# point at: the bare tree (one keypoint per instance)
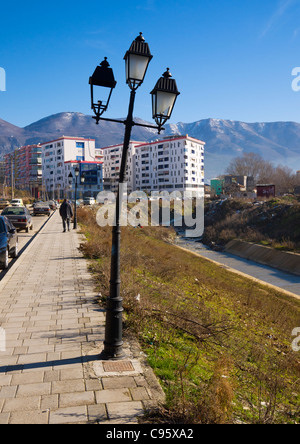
(284, 179)
(251, 164)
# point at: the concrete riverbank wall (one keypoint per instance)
(282, 260)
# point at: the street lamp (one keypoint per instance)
(76, 185)
(164, 96)
(82, 180)
(103, 76)
(137, 60)
(70, 177)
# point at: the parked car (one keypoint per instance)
(8, 242)
(41, 208)
(53, 204)
(19, 217)
(3, 203)
(89, 201)
(17, 203)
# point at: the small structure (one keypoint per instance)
(216, 186)
(266, 190)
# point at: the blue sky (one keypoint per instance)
(231, 59)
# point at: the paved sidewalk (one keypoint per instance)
(50, 371)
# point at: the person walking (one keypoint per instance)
(66, 213)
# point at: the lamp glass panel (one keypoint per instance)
(153, 105)
(136, 67)
(164, 103)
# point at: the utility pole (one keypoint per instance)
(12, 177)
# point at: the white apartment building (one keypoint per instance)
(172, 164)
(112, 156)
(59, 158)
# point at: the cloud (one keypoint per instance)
(278, 14)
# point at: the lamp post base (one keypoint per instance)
(112, 353)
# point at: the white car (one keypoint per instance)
(17, 203)
(89, 201)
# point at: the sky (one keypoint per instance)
(231, 59)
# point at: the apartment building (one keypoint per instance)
(60, 158)
(112, 156)
(174, 163)
(2, 172)
(23, 167)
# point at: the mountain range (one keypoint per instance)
(278, 142)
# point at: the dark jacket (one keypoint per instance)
(66, 210)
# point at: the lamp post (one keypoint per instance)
(82, 180)
(70, 177)
(137, 60)
(76, 185)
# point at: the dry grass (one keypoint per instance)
(274, 223)
(220, 344)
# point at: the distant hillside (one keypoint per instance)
(278, 142)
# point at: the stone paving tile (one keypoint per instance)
(117, 382)
(74, 399)
(124, 412)
(25, 390)
(19, 404)
(96, 413)
(54, 334)
(114, 395)
(69, 415)
(31, 417)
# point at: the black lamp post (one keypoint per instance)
(137, 60)
(70, 183)
(82, 180)
(76, 185)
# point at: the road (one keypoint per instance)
(25, 238)
(281, 279)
